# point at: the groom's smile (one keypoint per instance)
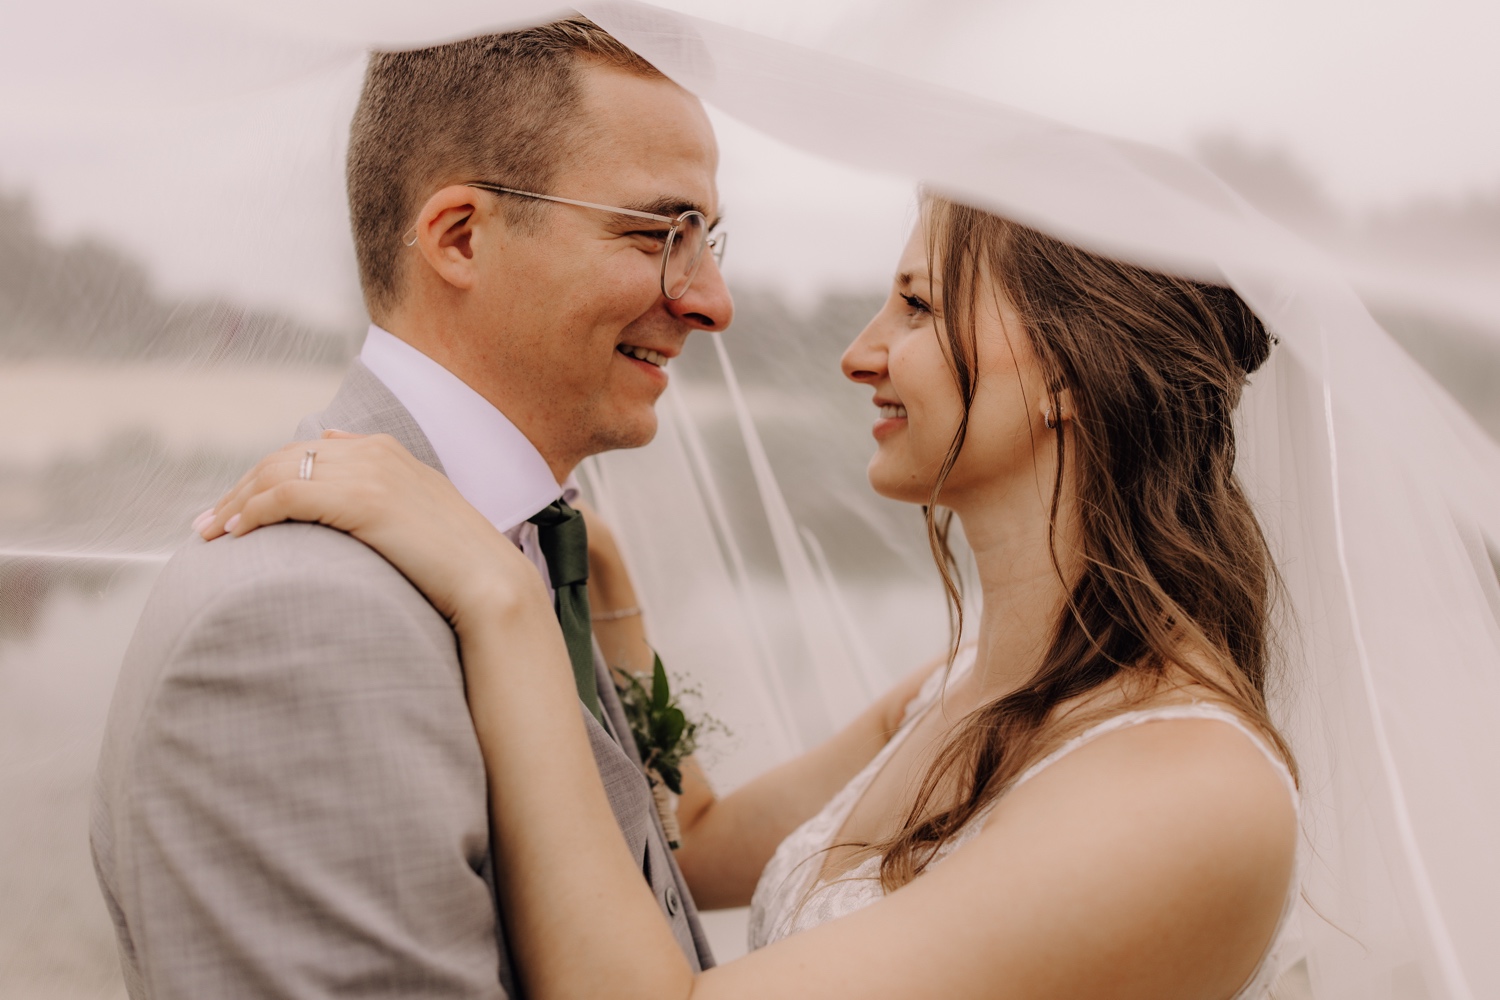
(647, 365)
(656, 359)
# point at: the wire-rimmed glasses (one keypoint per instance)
(686, 240)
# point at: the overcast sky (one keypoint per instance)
(212, 148)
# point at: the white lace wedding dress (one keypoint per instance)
(787, 901)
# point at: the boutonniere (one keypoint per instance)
(665, 736)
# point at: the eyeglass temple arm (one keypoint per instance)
(633, 213)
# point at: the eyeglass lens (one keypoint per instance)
(684, 254)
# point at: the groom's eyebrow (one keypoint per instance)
(674, 206)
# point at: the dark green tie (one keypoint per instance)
(564, 542)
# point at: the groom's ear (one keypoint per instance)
(445, 234)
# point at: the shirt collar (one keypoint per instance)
(486, 456)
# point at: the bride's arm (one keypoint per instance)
(726, 842)
(1152, 862)
(540, 770)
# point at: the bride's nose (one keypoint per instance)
(864, 359)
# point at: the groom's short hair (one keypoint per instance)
(503, 108)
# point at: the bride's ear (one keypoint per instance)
(1057, 408)
(445, 234)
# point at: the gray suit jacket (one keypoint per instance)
(290, 800)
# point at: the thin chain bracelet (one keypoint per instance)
(614, 616)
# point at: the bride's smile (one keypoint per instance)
(892, 418)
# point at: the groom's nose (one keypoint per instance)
(706, 304)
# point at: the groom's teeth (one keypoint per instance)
(645, 354)
(890, 411)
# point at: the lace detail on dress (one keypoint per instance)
(787, 899)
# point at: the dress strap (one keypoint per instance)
(1193, 710)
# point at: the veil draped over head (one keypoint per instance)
(784, 593)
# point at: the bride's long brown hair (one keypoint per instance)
(1172, 556)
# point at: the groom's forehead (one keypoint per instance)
(650, 120)
(642, 184)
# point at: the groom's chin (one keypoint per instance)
(634, 431)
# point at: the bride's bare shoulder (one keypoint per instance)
(1179, 830)
(1154, 861)
(1194, 745)
(1181, 746)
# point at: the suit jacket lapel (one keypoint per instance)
(615, 723)
(363, 405)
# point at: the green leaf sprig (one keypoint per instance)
(662, 730)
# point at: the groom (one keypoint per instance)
(291, 800)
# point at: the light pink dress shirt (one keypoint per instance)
(486, 457)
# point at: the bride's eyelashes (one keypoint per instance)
(916, 305)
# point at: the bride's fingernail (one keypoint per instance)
(201, 521)
(232, 523)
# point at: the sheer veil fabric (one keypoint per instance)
(1378, 493)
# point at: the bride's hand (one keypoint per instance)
(372, 488)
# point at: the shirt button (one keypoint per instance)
(674, 901)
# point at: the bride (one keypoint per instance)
(1088, 799)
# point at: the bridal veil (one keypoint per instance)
(1379, 494)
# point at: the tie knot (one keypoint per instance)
(564, 541)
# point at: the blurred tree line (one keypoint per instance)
(85, 299)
